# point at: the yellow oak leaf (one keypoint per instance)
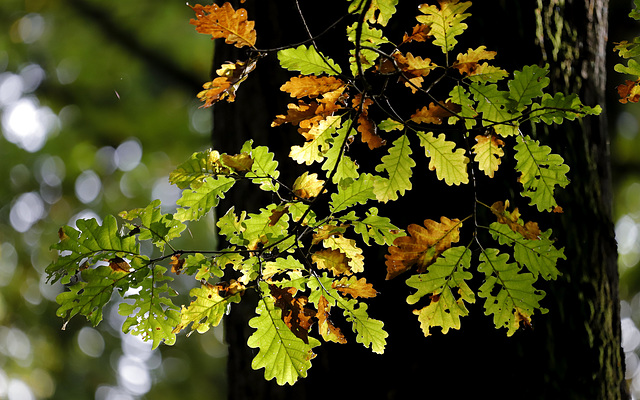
(332, 260)
(326, 231)
(488, 151)
(355, 259)
(307, 185)
(355, 287)
(225, 22)
(240, 162)
(422, 246)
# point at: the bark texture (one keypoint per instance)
(574, 351)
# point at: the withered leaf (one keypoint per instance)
(176, 263)
(311, 86)
(225, 86)
(119, 265)
(528, 230)
(355, 287)
(225, 22)
(420, 33)
(422, 246)
(328, 331)
(366, 127)
(435, 113)
(629, 91)
(296, 313)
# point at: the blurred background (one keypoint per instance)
(97, 106)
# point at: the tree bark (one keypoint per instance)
(574, 351)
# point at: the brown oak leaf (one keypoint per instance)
(225, 22)
(629, 91)
(467, 63)
(422, 246)
(366, 127)
(328, 331)
(435, 113)
(529, 230)
(296, 313)
(119, 265)
(420, 33)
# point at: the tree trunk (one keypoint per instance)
(574, 351)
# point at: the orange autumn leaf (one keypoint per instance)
(529, 230)
(629, 91)
(422, 246)
(413, 68)
(311, 86)
(176, 263)
(307, 116)
(366, 127)
(333, 260)
(467, 63)
(420, 33)
(327, 231)
(119, 265)
(435, 113)
(327, 330)
(225, 23)
(355, 287)
(296, 314)
(224, 87)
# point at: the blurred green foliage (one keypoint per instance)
(98, 105)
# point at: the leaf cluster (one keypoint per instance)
(306, 260)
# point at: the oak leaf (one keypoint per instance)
(445, 21)
(176, 263)
(224, 87)
(295, 312)
(117, 264)
(328, 331)
(488, 151)
(326, 231)
(413, 69)
(355, 287)
(226, 23)
(420, 33)
(366, 126)
(435, 113)
(307, 185)
(528, 230)
(422, 246)
(333, 260)
(311, 86)
(629, 91)
(468, 63)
